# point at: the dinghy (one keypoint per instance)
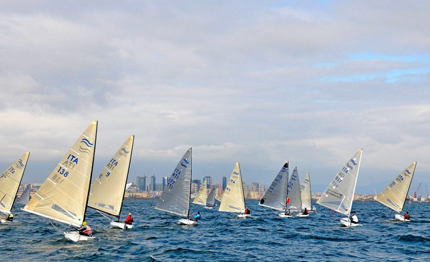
(200, 199)
(394, 195)
(107, 190)
(276, 196)
(233, 199)
(306, 196)
(10, 180)
(339, 195)
(294, 196)
(176, 196)
(64, 194)
(210, 201)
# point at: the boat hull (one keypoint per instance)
(283, 215)
(401, 218)
(345, 222)
(185, 221)
(244, 215)
(302, 215)
(76, 237)
(209, 208)
(120, 225)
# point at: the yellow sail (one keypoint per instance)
(233, 199)
(107, 190)
(9, 183)
(64, 194)
(202, 195)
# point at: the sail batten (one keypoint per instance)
(107, 190)
(175, 198)
(64, 194)
(276, 196)
(394, 195)
(339, 195)
(233, 199)
(10, 180)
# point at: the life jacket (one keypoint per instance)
(129, 220)
(88, 230)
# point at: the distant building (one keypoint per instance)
(164, 182)
(153, 184)
(224, 182)
(198, 182)
(141, 182)
(208, 179)
(255, 186)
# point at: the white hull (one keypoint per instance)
(345, 222)
(75, 236)
(120, 225)
(3, 221)
(285, 215)
(244, 215)
(399, 217)
(302, 215)
(209, 207)
(185, 221)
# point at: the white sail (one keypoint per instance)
(276, 196)
(339, 195)
(10, 180)
(64, 194)
(176, 195)
(25, 196)
(211, 198)
(107, 190)
(201, 196)
(294, 195)
(233, 199)
(306, 193)
(394, 195)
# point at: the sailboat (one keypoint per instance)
(233, 199)
(176, 196)
(25, 196)
(339, 195)
(306, 194)
(107, 190)
(63, 196)
(200, 199)
(276, 196)
(394, 195)
(10, 180)
(210, 201)
(294, 197)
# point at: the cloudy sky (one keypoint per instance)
(260, 82)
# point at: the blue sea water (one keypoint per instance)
(221, 236)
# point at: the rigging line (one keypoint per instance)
(332, 213)
(56, 228)
(101, 213)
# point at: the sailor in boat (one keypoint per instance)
(287, 212)
(354, 218)
(9, 217)
(197, 217)
(209, 205)
(85, 230)
(129, 219)
(406, 216)
(247, 211)
(305, 212)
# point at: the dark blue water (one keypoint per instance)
(221, 236)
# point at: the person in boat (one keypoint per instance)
(209, 205)
(9, 217)
(85, 230)
(287, 212)
(197, 216)
(354, 218)
(247, 211)
(406, 216)
(305, 212)
(129, 219)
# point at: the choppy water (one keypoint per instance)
(221, 236)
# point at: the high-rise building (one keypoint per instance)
(224, 182)
(255, 186)
(153, 185)
(209, 180)
(164, 182)
(198, 183)
(141, 182)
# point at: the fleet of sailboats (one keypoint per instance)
(233, 199)
(394, 195)
(10, 180)
(176, 196)
(63, 196)
(108, 189)
(339, 194)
